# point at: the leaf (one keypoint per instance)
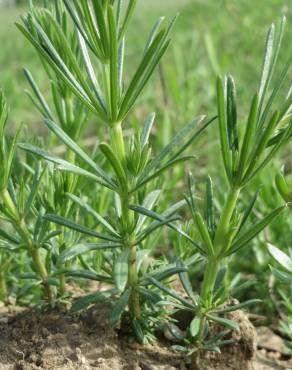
(267, 62)
(231, 114)
(89, 299)
(282, 185)
(141, 255)
(90, 71)
(282, 276)
(72, 225)
(274, 94)
(224, 322)
(86, 274)
(220, 279)
(34, 189)
(176, 142)
(167, 273)
(153, 33)
(172, 293)
(223, 128)
(148, 203)
(248, 136)
(96, 215)
(121, 270)
(209, 206)
(128, 15)
(247, 211)
(38, 94)
(192, 192)
(273, 46)
(254, 231)
(11, 238)
(238, 306)
(153, 227)
(149, 295)
(184, 278)
(100, 20)
(162, 220)
(147, 129)
(119, 307)
(138, 331)
(116, 165)
(282, 258)
(195, 326)
(78, 249)
(142, 71)
(162, 169)
(55, 62)
(113, 57)
(204, 233)
(260, 146)
(77, 150)
(61, 163)
(272, 153)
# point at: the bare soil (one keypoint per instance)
(31, 339)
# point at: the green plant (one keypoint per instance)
(244, 155)
(98, 31)
(16, 209)
(99, 215)
(284, 274)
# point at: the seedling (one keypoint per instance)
(244, 157)
(99, 31)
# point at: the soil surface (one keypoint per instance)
(32, 339)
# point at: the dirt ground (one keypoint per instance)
(32, 339)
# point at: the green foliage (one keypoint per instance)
(79, 213)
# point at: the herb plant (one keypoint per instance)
(225, 233)
(98, 213)
(98, 32)
(284, 273)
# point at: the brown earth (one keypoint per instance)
(31, 339)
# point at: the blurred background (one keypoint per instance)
(210, 38)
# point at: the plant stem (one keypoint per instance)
(222, 237)
(221, 242)
(133, 281)
(62, 282)
(22, 230)
(43, 273)
(209, 280)
(3, 287)
(117, 141)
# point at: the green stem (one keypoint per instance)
(196, 356)
(71, 184)
(3, 287)
(222, 237)
(62, 282)
(22, 230)
(43, 273)
(209, 280)
(117, 142)
(221, 242)
(133, 282)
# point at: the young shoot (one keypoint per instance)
(93, 71)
